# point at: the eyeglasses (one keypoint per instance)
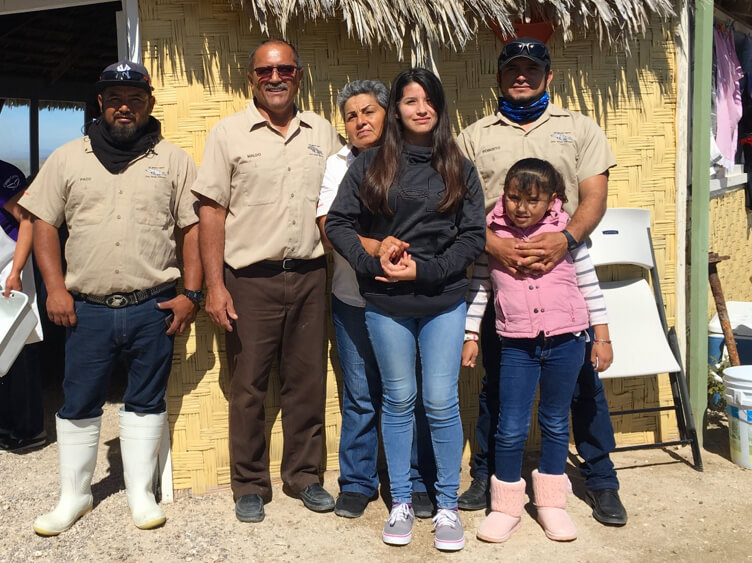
(125, 75)
(517, 48)
(285, 72)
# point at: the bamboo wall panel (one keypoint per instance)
(730, 225)
(197, 53)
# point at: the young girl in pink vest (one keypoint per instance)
(543, 322)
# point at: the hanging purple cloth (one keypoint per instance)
(729, 104)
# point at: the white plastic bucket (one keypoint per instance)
(738, 395)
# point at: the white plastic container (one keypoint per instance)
(738, 395)
(17, 321)
(740, 317)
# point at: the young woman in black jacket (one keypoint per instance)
(423, 200)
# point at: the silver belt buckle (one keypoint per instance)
(116, 301)
(285, 262)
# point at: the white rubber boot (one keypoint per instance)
(140, 436)
(77, 442)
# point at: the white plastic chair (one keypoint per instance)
(643, 344)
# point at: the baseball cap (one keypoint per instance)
(125, 73)
(528, 48)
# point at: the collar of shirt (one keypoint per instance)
(255, 118)
(346, 154)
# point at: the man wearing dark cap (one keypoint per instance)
(123, 192)
(526, 125)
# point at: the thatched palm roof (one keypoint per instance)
(454, 22)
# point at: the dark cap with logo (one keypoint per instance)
(528, 48)
(125, 73)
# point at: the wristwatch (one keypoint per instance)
(471, 337)
(571, 242)
(196, 296)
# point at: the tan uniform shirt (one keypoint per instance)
(269, 184)
(573, 143)
(121, 226)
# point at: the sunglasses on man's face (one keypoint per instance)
(285, 72)
(531, 49)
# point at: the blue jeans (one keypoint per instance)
(361, 407)
(554, 362)
(591, 422)
(396, 341)
(100, 337)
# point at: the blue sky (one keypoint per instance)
(56, 127)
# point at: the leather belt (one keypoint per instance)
(120, 300)
(288, 264)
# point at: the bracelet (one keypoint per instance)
(597, 341)
(471, 337)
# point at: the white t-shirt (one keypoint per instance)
(344, 283)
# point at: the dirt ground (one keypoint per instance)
(675, 514)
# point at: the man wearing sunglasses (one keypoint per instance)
(526, 125)
(123, 192)
(266, 274)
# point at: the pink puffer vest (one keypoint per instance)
(527, 305)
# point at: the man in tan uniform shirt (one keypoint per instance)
(528, 125)
(122, 190)
(258, 184)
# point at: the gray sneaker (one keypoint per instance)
(448, 532)
(398, 529)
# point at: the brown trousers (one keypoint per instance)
(280, 314)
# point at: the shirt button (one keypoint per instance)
(117, 244)
(543, 310)
(118, 216)
(535, 310)
(531, 287)
(292, 196)
(289, 169)
(120, 191)
(293, 222)
(117, 271)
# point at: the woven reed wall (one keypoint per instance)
(731, 235)
(197, 53)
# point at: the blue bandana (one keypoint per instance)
(524, 114)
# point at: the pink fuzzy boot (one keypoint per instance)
(507, 500)
(551, 501)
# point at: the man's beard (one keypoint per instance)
(123, 135)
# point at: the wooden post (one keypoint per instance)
(698, 277)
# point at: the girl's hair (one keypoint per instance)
(375, 88)
(530, 173)
(446, 157)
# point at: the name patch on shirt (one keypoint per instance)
(490, 149)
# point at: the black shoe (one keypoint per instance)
(250, 508)
(607, 507)
(18, 445)
(351, 504)
(476, 496)
(422, 504)
(315, 498)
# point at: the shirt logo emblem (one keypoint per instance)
(315, 150)
(562, 137)
(156, 172)
(12, 182)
